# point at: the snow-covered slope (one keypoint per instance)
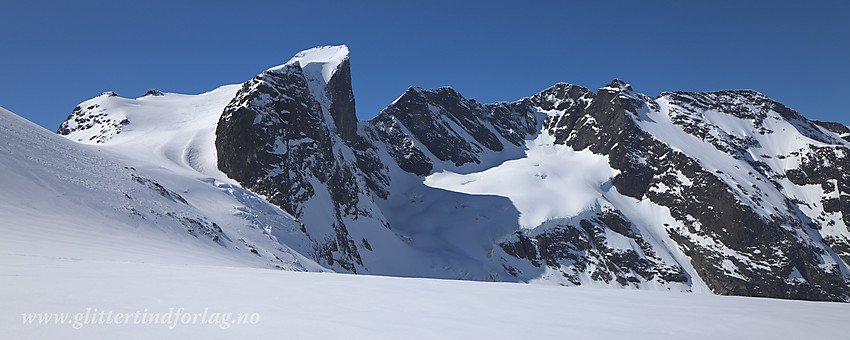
(329, 306)
(174, 130)
(65, 200)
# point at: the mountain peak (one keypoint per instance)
(441, 89)
(618, 85)
(318, 62)
(154, 93)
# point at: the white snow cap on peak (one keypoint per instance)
(322, 60)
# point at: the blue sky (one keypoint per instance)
(56, 54)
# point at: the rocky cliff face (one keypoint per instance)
(729, 192)
(289, 134)
(743, 228)
(449, 128)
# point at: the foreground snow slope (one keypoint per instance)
(61, 199)
(324, 306)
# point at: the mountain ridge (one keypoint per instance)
(690, 191)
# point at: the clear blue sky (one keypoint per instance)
(55, 54)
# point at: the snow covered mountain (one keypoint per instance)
(727, 192)
(124, 202)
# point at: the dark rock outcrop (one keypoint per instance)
(274, 139)
(154, 93)
(342, 102)
(581, 248)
